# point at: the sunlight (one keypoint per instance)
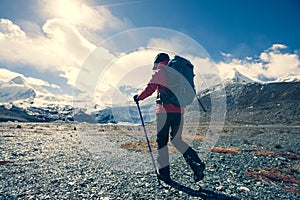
(80, 14)
(69, 10)
(76, 12)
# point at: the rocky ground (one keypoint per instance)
(57, 161)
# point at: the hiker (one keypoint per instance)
(169, 117)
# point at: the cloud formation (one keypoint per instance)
(61, 46)
(94, 23)
(273, 63)
(81, 15)
(62, 43)
(71, 29)
(277, 63)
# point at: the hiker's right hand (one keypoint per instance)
(136, 98)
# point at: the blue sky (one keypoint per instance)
(243, 28)
(50, 40)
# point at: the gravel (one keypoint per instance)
(53, 161)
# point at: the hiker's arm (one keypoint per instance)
(158, 78)
(148, 91)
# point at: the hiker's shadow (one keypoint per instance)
(203, 193)
(208, 194)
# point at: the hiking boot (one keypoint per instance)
(195, 163)
(164, 174)
(198, 171)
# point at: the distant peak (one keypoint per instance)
(234, 76)
(18, 80)
(288, 78)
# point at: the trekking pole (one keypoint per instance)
(149, 146)
(200, 103)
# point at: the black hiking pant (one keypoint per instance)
(171, 124)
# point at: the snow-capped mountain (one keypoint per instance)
(22, 94)
(113, 97)
(22, 101)
(288, 78)
(19, 81)
(234, 76)
(116, 105)
(129, 90)
(117, 96)
(29, 100)
(16, 89)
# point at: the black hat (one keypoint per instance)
(161, 57)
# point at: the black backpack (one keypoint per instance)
(181, 87)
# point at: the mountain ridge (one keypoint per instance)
(247, 101)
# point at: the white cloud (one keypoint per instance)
(61, 44)
(61, 49)
(85, 18)
(172, 44)
(30, 28)
(264, 57)
(68, 39)
(125, 66)
(10, 30)
(36, 81)
(276, 47)
(272, 64)
(93, 68)
(278, 64)
(75, 12)
(175, 42)
(6, 75)
(227, 55)
(99, 75)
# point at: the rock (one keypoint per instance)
(258, 183)
(220, 187)
(281, 158)
(243, 188)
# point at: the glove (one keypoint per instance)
(136, 98)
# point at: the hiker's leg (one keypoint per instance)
(162, 144)
(176, 132)
(190, 155)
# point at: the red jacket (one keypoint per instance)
(160, 78)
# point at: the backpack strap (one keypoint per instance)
(162, 95)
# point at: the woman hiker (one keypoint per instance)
(169, 118)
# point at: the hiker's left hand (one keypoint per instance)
(136, 98)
